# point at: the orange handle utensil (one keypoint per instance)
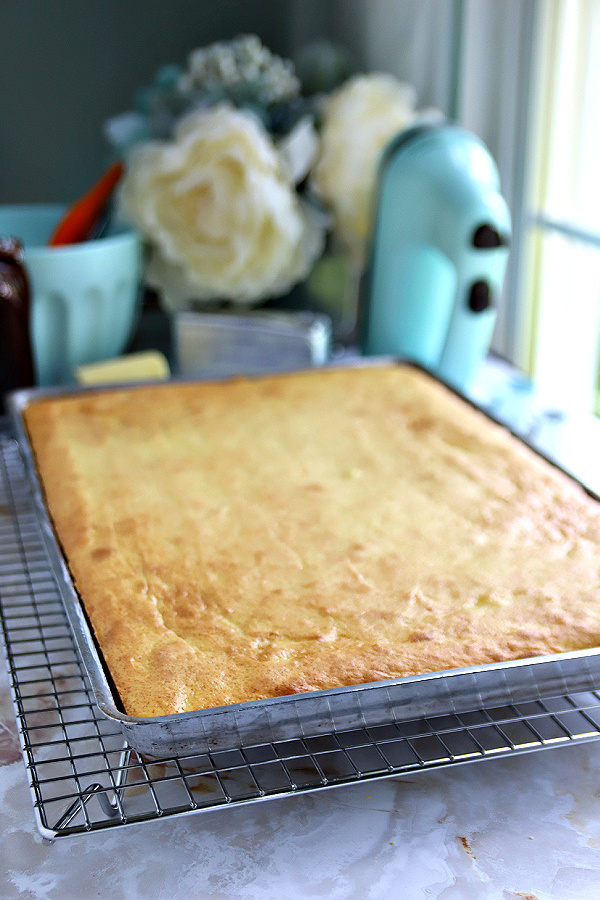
(79, 220)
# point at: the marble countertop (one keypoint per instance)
(521, 827)
(525, 826)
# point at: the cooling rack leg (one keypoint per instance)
(113, 809)
(90, 791)
(110, 809)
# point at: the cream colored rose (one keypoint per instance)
(219, 211)
(359, 121)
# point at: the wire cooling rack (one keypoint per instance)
(83, 778)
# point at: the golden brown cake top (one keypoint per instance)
(261, 537)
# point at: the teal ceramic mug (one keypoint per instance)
(85, 297)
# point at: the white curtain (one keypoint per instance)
(472, 59)
(413, 39)
(476, 61)
(496, 59)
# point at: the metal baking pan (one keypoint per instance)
(210, 345)
(300, 715)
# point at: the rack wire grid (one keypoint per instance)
(83, 778)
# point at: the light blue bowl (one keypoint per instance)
(85, 297)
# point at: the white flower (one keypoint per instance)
(243, 62)
(299, 149)
(360, 120)
(219, 211)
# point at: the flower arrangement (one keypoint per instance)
(241, 167)
(360, 118)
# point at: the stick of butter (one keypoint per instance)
(149, 365)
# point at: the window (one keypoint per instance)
(529, 75)
(561, 324)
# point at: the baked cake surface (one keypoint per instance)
(261, 537)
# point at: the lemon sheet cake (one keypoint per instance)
(260, 537)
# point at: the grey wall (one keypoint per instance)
(67, 65)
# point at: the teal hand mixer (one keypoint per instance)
(438, 254)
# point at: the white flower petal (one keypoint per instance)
(360, 120)
(220, 212)
(299, 150)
